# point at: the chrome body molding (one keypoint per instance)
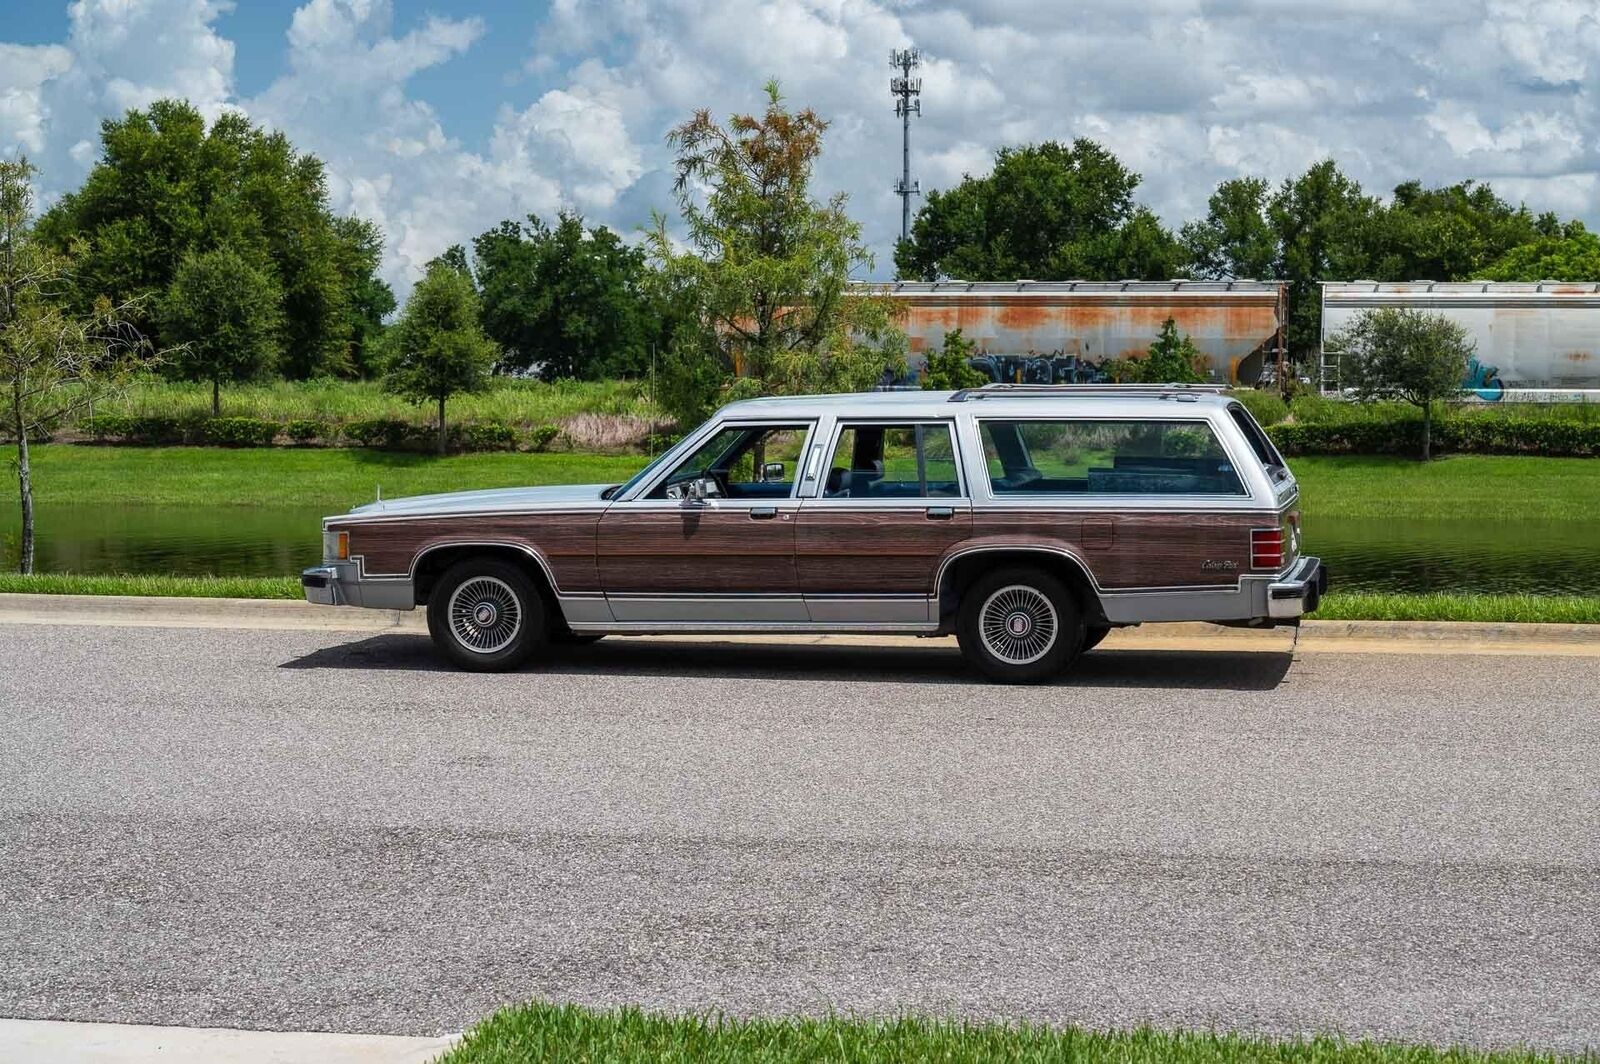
(748, 627)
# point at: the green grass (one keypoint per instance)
(544, 1033)
(1470, 487)
(144, 586)
(330, 479)
(1444, 606)
(513, 401)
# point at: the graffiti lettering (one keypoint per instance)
(1485, 381)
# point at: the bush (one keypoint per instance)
(541, 437)
(238, 432)
(1265, 407)
(1461, 434)
(304, 430)
(126, 429)
(482, 436)
(379, 432)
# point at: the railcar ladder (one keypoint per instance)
(1329, 373)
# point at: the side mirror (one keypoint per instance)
(772, 472)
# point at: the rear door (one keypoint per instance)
(892, 500)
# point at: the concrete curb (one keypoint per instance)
(62, 1042)
(1373, 637)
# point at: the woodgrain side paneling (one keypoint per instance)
(1129, 549)
(879, 552)
(693, 551)
(565, 540)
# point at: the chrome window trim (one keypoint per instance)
(1251, 478)
(920, 502)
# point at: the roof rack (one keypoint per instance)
(996, 391)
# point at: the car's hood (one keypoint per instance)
(559, 496)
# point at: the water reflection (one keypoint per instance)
(1531, 557)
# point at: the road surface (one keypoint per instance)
(326, 831)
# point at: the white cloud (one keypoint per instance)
(1188, 91)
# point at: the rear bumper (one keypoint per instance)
(341, 584)
(1298, 591)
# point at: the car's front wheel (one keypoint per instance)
(485, 615)
(1019, 625)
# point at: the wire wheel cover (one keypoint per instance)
(485, 615)
(1018, 624)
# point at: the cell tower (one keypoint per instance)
(905, 89)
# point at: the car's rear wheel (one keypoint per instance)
(1019, 625)
(485, 615)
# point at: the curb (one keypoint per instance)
(1378, 637)
(68, 1042)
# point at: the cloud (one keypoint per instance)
(1188, 92)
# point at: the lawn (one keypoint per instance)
(1475, 487)
(540, 1032)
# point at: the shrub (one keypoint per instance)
(239, 432)
(1461, 434)
(1265, 407)
(126, 429)
(483, 436)
(108, 426)
(304, 430)
(541, 437)
(379, 432)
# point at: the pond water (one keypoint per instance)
(1531, 557)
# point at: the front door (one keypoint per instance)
(894, 501)
(713, 540)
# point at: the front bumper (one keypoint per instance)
(341, 584)
(1298, 591)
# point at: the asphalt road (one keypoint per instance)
(326, 831)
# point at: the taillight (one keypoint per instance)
(1266, 548)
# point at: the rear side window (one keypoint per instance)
(1259, 442)
(893, 462)
(1107, 458)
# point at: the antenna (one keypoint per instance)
(905, 88)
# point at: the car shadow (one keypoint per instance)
(935, 664)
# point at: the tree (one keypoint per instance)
(1234, 239)
(948, 369)
(1571, 254)
(1404, 354)
(437, 348)
(1318, 217)
(371, 299)
(166, 186)
(568, 301)
(763, 288)
(53, 362)
(1046, 212)
(224, 314)
(1172, 359)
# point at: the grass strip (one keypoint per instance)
(1339, 606)
(1460, 487)
(145, 586)
(551, 1033)
(1444, 606)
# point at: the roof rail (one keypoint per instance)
(996, 391)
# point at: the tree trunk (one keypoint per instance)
(216, 396)
(1427, 431)
(441, 424)
(24, 482)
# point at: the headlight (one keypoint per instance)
(336, 546)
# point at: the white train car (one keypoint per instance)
(1535, 341)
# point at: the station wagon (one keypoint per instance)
(1027, 520)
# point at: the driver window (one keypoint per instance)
(753, 462)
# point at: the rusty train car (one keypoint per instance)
(1533, 340)
(1066, 332)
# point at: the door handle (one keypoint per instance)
(941, 513)
(763, 513)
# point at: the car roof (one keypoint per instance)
(1039, 400)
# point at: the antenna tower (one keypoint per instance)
(906, 91)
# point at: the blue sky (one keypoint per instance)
(438, 119)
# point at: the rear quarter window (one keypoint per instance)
(1260, 443)
(1105, 457)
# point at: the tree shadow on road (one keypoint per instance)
(710, 658)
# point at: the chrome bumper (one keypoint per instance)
(341, 584)
(1299, 591)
